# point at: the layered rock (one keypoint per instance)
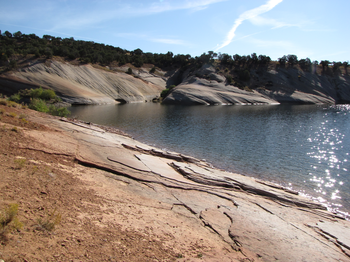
(184, 197)
(86, 84)
(268, 87)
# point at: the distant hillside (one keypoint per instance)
(89, 73)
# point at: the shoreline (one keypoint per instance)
(341, 213)
(190, 208)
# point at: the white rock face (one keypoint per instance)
(269, 87)
(88, 85)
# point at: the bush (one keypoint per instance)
(38, 105)
(48, 94)
(3, 101)
(244, 75)
(15, 98)
(129, 71)
(58, 111)
(229, 79)
(8, 220)
(49, 222)
(153, 70)
(164, 93)
(36, 93)
(12, 114)
(20, 162)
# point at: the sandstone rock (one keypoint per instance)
(86, 84)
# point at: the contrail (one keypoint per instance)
(245, 16)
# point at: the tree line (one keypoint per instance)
(12, 45)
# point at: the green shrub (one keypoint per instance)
(3, 101)
(153, 69)
(38, 105)
(58, 111)
(12, 104)
(36, 93)
(49, 222)
(229, 79)
(20, 162)
(164, 93)
(48, 94)
(129, 71)
(244, 75)
(8, 220)
(13, 114)
(15, 98)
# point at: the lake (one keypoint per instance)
(302, 147)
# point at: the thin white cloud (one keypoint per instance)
(262, 21)
(168, 41)
(163, 40)
(126, 10)
(250, 14)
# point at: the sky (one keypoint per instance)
(317, 29)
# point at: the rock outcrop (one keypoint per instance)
(207, 87)
(85, 84)
(262, 221)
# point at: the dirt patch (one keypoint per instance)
(42, 183)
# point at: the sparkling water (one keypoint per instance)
(303, 147)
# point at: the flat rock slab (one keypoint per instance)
(340, 232)
(161, 167)
(262, 221)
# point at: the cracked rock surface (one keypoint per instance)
(188, 201)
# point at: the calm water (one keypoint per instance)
(304, 147)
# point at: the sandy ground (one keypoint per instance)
(122, 201)
(102, 218)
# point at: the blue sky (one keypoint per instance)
(318, 29)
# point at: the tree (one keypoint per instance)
(282, 60)
(346, 64)
(237, 59)
(8, 34)
(263, 60)
(254, 58)
(292, 60)
(324, 64)
(225, 59)
(305, 64)
(137, 51)
(48, 37)
(17, 35)
(336, 67)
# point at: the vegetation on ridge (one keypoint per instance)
(41, 100)
(18, 44)
(17, 50)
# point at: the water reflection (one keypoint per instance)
(303, 147)
(327, 148)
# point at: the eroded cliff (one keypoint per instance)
(264, 87)
(86, 84)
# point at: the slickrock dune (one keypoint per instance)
(191, 208)
(270, 87)
(84, 84)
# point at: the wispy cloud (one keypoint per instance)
(262, 21)
(250, 14)
(124, 10)
(168, 41)
(146, 37)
